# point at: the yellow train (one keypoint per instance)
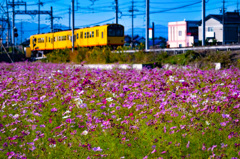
(105, 35)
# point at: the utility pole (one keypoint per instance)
(38, 16)
(153, 30)
(147, 26)
(8, 25)
(13, 4)
(69, 18)
(132, 10)
(2, 36)
(13, 25)
(21, 32)
(51, 18)
(132, 22)
(73, 25)
(223, 21)
(116, 11)
(203, 23)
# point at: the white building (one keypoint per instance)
(182, 33)
(214, 28)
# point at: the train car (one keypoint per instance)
(105, 35)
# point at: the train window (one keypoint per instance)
(49, 39)
(111, 32)
(115, 30)
(93, 34)
(77, 35)
(55, 38)
(40, 40)
(102, 34)
(85, 35)
(64, 38)
(90, 34)
(97, 33)
(81, 35)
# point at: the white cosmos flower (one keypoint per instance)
(114, 95)
(15, 116)
(52, 145)
(171, 78)
(78, 102)
(119, 119)
(207, 122)
(67, 112)
(109, 99)
(67, 116)
(181, 80)
(85, 132)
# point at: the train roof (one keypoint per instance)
(77, 29)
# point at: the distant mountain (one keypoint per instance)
(29, 29)
(160, 30)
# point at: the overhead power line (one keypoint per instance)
(97, 23)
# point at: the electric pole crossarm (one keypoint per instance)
(32, 12)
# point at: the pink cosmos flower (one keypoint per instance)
(54, 110)
(153, 151)
(97, 149)
(163, 152)
(188, 144)
(223, 124)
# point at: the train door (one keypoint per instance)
(52, 43)
(34, 40)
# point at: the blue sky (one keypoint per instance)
(90, 12)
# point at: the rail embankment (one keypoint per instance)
(200, 59)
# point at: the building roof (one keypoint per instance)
(230, 17)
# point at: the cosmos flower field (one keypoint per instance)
(59, 111)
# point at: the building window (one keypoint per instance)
(180, 33)
(210, 29)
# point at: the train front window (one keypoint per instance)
(115, 30)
